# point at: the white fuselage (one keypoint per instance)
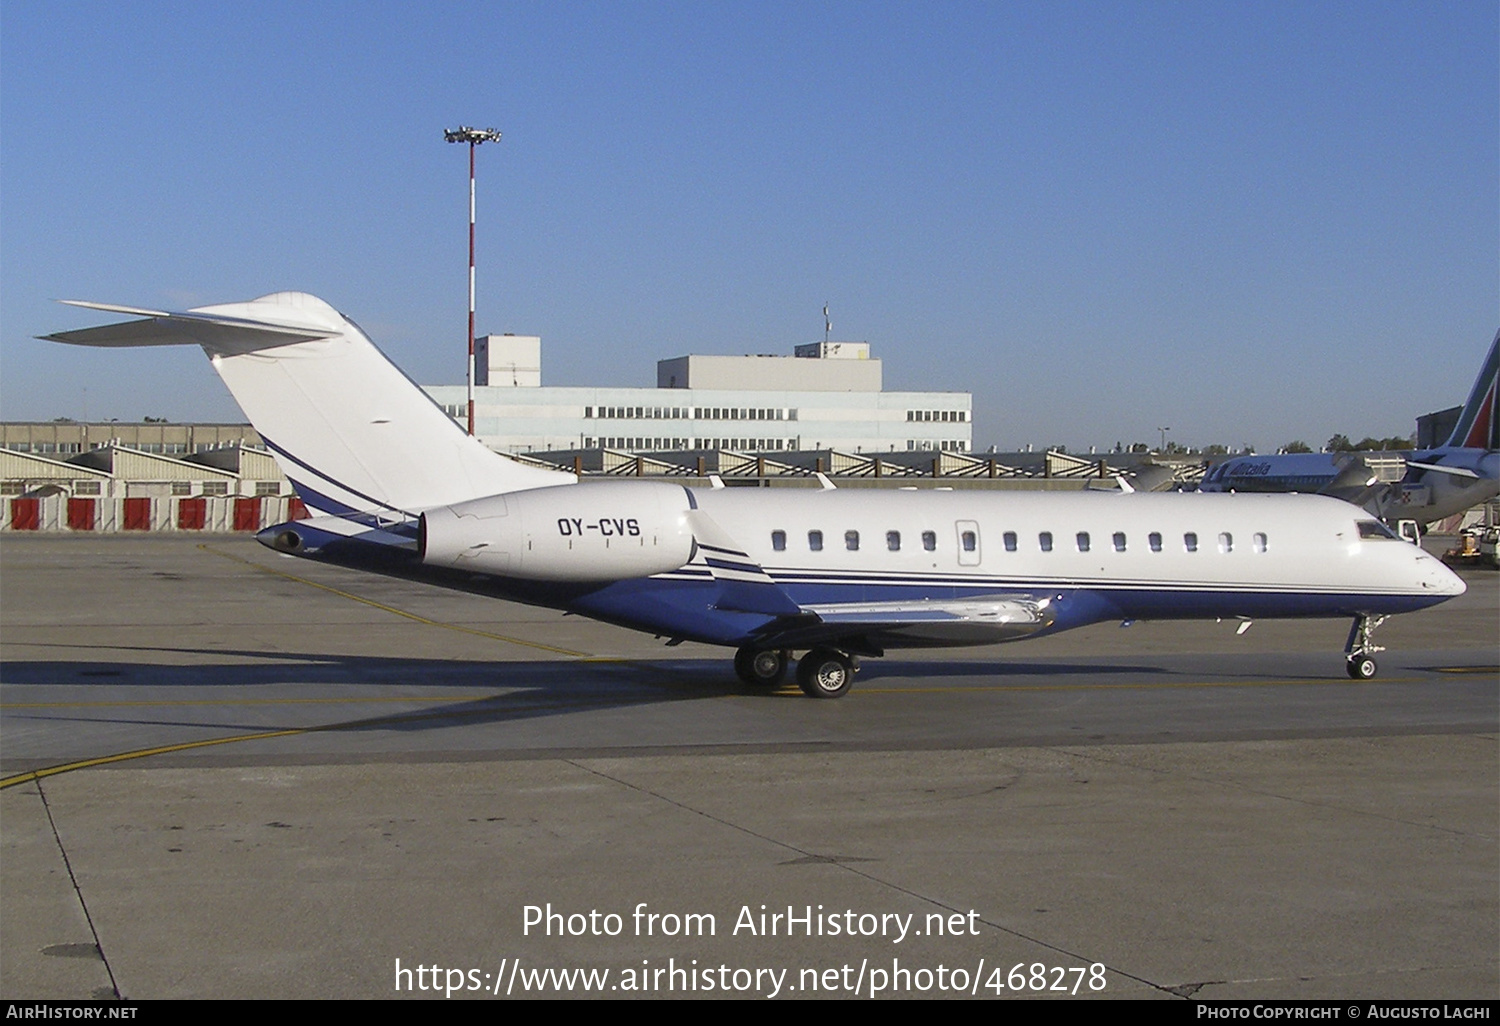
(1109, 541)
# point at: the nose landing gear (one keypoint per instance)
(1360, 649)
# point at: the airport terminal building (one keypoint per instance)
(828, 395)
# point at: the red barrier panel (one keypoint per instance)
(192, 514)
(80, 514)
(137, 514)
(247, 514)
(25, 514)
(295, 510)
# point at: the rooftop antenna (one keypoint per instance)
(472, 136)
(827, 325)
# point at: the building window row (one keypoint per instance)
(737, 444)
(47, 448)
(928, 445)
(938, 416)
(686, 413)
(72, 448)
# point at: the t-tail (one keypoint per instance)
(351, 432)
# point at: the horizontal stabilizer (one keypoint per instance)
(1441, 469)
(114, 308)
(218, 334)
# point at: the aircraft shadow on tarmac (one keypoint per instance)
(708, 677)
(524, 689)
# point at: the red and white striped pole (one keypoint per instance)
(472, 136)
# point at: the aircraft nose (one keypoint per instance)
(1440, 579)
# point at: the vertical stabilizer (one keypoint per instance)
(350, 431)
(1478, 427)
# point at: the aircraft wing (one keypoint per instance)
(977, 619)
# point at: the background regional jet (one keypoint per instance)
(1436, 483)
(400, 489)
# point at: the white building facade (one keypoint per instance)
(829, 396)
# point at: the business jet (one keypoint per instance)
(398, 488)
(1435, 483)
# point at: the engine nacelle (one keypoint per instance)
(587, 532)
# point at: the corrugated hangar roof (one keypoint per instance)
(27, 466)
(134, 465)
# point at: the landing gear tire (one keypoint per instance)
(824, 673)
(760, 667)
(1360, 649)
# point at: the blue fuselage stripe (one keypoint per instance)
(374, 503)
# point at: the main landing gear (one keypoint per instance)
(1359, 650)
(761, 667)
(822, 673)
(825, 673)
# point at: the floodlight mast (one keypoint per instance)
(472, 136)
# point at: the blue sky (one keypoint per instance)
(1252, 222)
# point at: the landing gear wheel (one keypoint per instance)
(824, 673)
(1360, 649)
(760, 667)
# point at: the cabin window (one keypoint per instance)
(1154, 540)
(1119, 540)
(815, 540)
(851, 541)
(929, 541)
(1374, 530)
(1190, 541)
(1226, 541)
(1083, 541)
(778, 541)
(1258, 542)
(969, 540)
(1045, 540)
(1010, 541)
(893, 540)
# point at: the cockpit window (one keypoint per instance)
(1375, 530)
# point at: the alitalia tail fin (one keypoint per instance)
(1478, 426)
